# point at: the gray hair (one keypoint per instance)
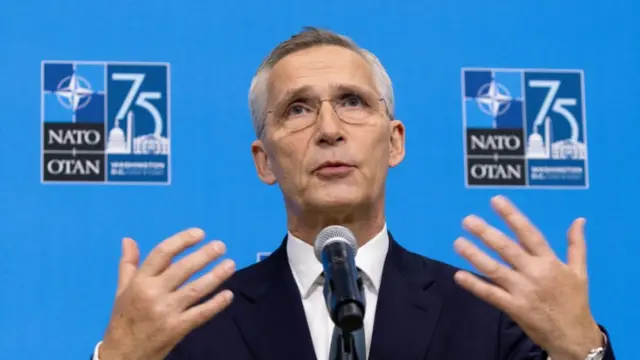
(310, 37)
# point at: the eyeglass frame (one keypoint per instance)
(319, 103)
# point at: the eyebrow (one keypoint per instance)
(307, 91)
(295, 93)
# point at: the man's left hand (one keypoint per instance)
(547, 298)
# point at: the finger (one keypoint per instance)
(509, 250)
(528, 235)
(162, 255)
(577, 252)
(492, 294)
(128, 264)
(206, 284)
(179, 272)
(198, 315)
(497, 272)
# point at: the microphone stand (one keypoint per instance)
(346, 347)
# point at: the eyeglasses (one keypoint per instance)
(350, 108)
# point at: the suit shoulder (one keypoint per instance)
(254, 274)
(439, 269)
(442, 275)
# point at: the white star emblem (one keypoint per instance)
(76, 94)
(491, 97)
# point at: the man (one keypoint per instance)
(323, 113)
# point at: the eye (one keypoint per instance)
(352, 100)
(296, 109)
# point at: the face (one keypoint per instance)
(333, 162)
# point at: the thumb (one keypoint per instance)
(577, 252)
(128, 263)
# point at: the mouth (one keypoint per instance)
(329, 169)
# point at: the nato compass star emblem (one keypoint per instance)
(493, 99)
(74, 92)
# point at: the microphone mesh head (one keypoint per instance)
(331, 234)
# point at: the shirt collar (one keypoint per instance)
(307, 269)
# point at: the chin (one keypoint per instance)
(344, 200)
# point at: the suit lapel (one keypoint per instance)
(274, 323)
(408, 308)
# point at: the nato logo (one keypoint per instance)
(524, 128)
(105, 122)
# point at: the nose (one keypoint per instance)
(329, 126)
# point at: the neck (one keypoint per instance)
(364, 222)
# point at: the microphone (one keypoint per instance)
(335, 247)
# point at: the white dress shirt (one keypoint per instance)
(307, 270)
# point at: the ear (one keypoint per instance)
(396, 143)
(262, 163)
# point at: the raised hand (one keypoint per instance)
(547, 298)
(153, 310)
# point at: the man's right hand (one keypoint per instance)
(152, 311)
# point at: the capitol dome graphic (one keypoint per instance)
(540, 146)
(121, 141)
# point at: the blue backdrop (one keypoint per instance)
(60, 243)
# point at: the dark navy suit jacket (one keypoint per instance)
(421, 314)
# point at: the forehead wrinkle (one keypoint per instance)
(285, 70)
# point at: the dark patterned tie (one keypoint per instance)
(336, 352)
